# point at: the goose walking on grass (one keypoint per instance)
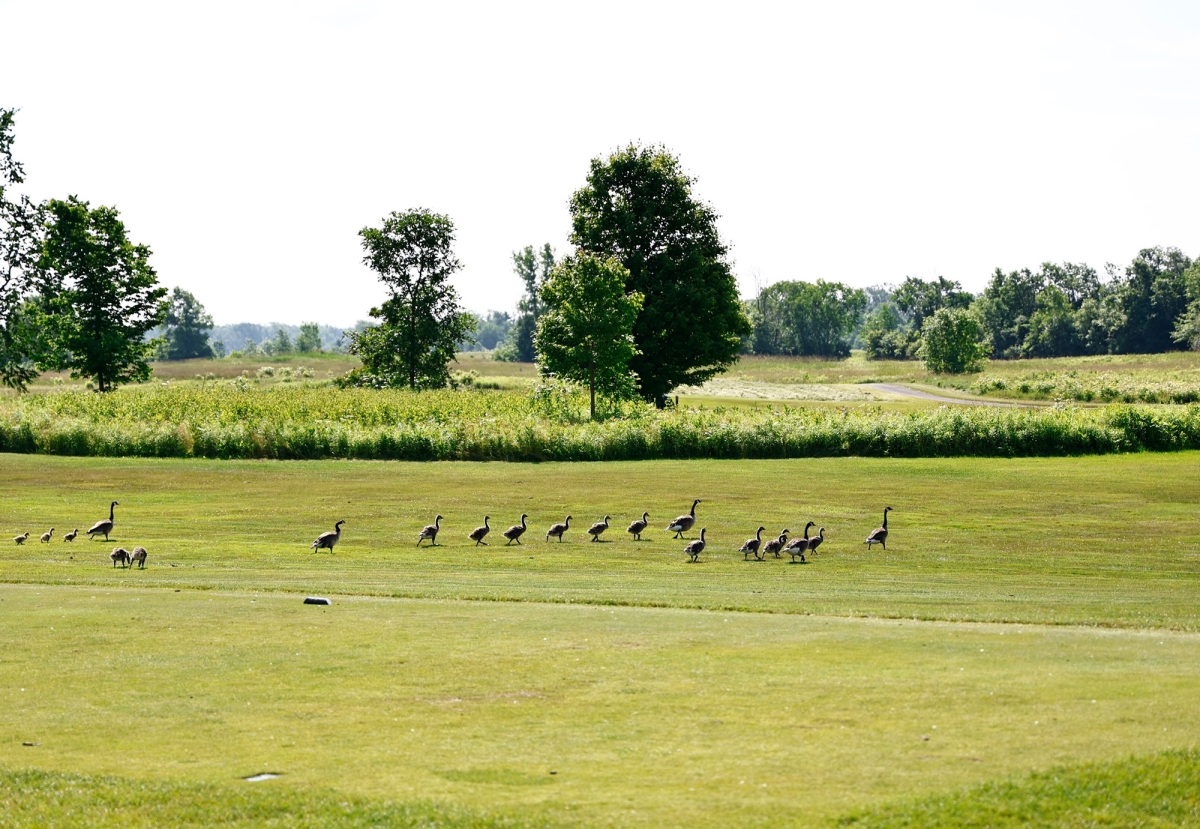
(515, 532)
(71, 535)
(47, 536)
(326, 540)
(684, 522)
(799, 546)
(120, 555)
(479, 533)
(752, 545)
(815, 541)
(695, 548)
(636, 528)
(597, 529)
(430, 532)
(879, 534)
(20, 539)
(559, 529)
(774, 545)
(103, 527)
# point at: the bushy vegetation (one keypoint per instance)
(239, 420)
(1087, 387)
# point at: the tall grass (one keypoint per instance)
(1089, 386)
(313, 422)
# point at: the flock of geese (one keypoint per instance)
(796, 547)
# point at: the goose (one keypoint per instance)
(20, 539)
(879, 534)
(430, 532)
(559, 529)
(104, 527)
(815, 541)
(47, 536)
(71, 535)
(774, 545)
(120, 554)
(684, 522)
(695, 548)
(479, 533)
(636, 528)
(515, 532)
(752, 545)
(326, 540)
(598, 528)
(799, 546)
(138, 557)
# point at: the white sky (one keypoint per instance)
(247, 143)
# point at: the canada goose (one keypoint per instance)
(47, 536)
(799, 546)
(71, 535)
(684, 522)
(20, 539)
(695, 548)
(636, 528)
(515, 532)
(326, 540)
(815, 541)
(752, 545)
(774, 545)
(104, 527)
(479, 533)
(598, 528)
(559, 529)
(120, 554)
(879, 534)
(138, 557)
(430, 532)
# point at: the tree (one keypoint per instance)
(421, 321)
(1187, 327)
(188, 325)
(102, 295)
(1153, 296)
(534, 270)
(883, 335)
(21, 228)
(801, 318)
(952, 342)
(1052, 329)
(585, 333)
(1004, 310)
(921, 299)
(638, 207)
(309, 339)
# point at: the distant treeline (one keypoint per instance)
(1059, 310)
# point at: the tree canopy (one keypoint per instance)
(533, 267)
(952, 342)
(585, 333)
(421, 321)
(802, 318)
(637, 207)
(21, 229)
(187, 327)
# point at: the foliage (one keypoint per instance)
(309, 339)
(952, 342)
(421, 321)
(638, 207)
(921, 300)
(21, 229)
(1088, 387)
(1153, 295)
(534, 270)
(102, 295)
(491, 333)
(803, 319)
(584, 334)
(884, 336)
(187, 327)
(892, 331)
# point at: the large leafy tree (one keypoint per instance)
(586, 331)
(638, 207)
(188, 325)
(1153, 296)
(421, 321)
(21, 224)
(102, 295)
(952, 342)
(802, 318)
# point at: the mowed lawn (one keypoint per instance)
(1027, 613)
(1091, 541)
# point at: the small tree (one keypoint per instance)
(586, 331)
(309, 339)
(421, 322)
(188, 325)
(952, 342)
(103, 296)
(534, 270)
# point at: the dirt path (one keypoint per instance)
(905, 391)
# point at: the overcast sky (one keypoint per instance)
(247, 143)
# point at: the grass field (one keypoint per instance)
(1033, 615)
